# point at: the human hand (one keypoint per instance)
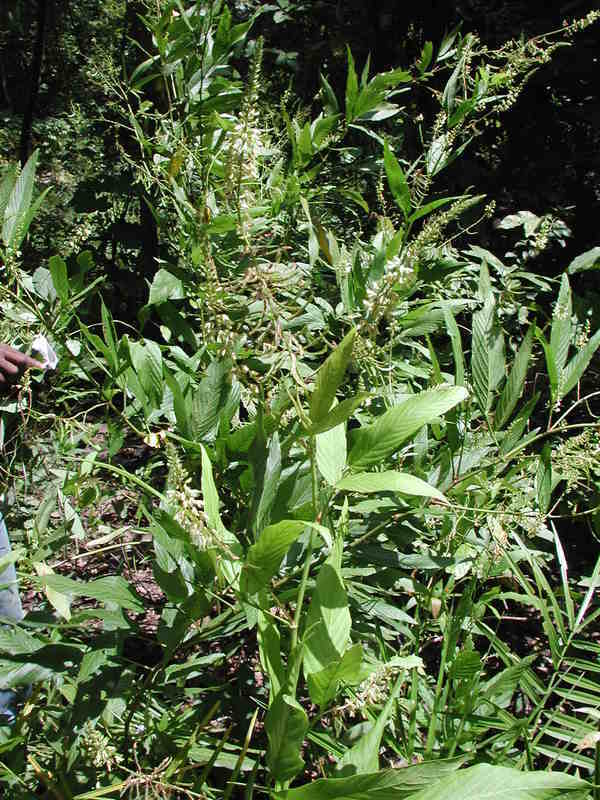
(12, 365)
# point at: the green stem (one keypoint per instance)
(309, 550)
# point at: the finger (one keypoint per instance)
(8, 367)
(22, 360)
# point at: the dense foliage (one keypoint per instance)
(310, 505)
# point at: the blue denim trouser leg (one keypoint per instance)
(10, 608)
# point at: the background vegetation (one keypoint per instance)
(310, 506)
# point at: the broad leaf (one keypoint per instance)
(578, 364)
(270, 484)
(338, 414)
(112, 589)
(269, 649)
(560, 333)
(387, 784)
(515, 382)
(364, 755)
(389, 481)
(587, 260)
(209, 400)
(328, 620)
(265, 556)
(372, 444)
(165, 286)
(397, 181)
(329, 377)
(286, 725)
(485, 782)
(487, 357)
(331, 453)
(146, 358)
(60, 279)
(19, 201)
(324, 685)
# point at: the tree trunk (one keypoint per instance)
(36, 69)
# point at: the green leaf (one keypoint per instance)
(487, 357)
(587, 260)
(60, 278)
(111, 589)
(578, 364)
(210, 496)
(324, 685)
(457, 349)
(544, 478)
(372, 444)
(397, 181)
(447, 45)
(6, 187)
(550, 365)
(401, 482)
(328, 620)
(147, 361)
(27, 219)
(517, 426)
(286, 725)
(351, 88)
(270, 484)
(338, 414)
(485, 782)
(59, 601)
(513, 387)
(19, 201)
(269, 649)
(209, 399)
(181, 406)
(387, 784)
(165, 286)
(423, 211)
(329, 377)
(331, 453)
(265, 556)
(560, 333)
(364, 755)
(328, 95)
(426, 56)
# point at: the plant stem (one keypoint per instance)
(309, 549)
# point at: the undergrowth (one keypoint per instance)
(303, 523)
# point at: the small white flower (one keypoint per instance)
(42, 346)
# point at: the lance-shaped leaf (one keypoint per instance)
(364, 755)
(372, 444)
(348, 669)
(486, 782)
(265, 556)
(329, 377)
(387, 784)
(515, 382)
(286, 726)
(19, 201)
(328, 620)
(544, 478)
(578, 364)
(331, 453)
(397, 181)
(560, 333)
(338, 414)
(487, 357)
(389, 481)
